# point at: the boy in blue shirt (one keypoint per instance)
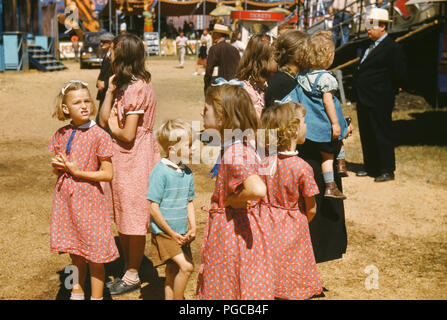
(171, 191)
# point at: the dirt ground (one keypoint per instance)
(397, 231)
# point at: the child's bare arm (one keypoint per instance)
(310, 207)
(253, 189)
(156, 214)
(329, 107)
(191, 234)
(104, 113)
(128, 133)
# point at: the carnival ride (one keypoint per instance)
(418, 25)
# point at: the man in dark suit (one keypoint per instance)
(106, 69)
(377, 79)
(223, 58)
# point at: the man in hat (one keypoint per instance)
(377, 79)
(223, 58)
(106, 68)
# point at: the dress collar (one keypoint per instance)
(177, 167)
(86, 125)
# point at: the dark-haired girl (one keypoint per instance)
(255, 68)
(129, 112)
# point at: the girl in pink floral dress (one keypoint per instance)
(129, 112)
(80, 220)
(290, 196)
(255, 68)
(236, 257)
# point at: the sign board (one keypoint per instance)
(152, 41)
(66, 49)
(258, 15)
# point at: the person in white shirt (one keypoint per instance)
(181, 42)
(343, 11)
(237, 43)
(206, 41)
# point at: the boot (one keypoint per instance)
(333, 192)
(341, 168)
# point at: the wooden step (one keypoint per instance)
(55, 68)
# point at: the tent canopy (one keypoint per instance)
(424, 1)
(186, 8)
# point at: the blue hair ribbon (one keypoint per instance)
(233, 82)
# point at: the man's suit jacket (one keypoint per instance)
(226, 58)
(378, 78)
(104, 75)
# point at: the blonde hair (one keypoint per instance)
(290, 47)
(172, 132)
(286, 119)
(320, 51)
(233, 107)
(61, 99)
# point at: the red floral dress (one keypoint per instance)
(81, 222)
(296, 271)
(134, 161)
(236, 252)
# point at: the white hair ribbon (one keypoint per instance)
(69, 83)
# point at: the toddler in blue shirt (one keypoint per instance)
(171, 191)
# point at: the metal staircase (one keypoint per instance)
(43, 60)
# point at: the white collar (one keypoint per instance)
(376, 43)
(288, 153)
(86, 125)
(273, 165)
(178, 167)
(229, 143)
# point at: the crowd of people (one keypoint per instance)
(277, 207)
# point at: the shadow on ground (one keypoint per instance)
(426, 128)
(154, 290)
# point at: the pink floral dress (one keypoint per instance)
(80, 220)
(296, 271)
(134, 161)
(256, 96)
(236, 257)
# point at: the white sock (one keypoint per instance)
(91, 298)
(131, 278)
(77, 296)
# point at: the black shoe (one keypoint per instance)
(384, 177)
(121, 287)
(361, 173)
(111, 283)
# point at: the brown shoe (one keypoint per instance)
(333, 192)
(341, 168)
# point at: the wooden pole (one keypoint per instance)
(110, 16)
(409, 34)
(14, 16)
